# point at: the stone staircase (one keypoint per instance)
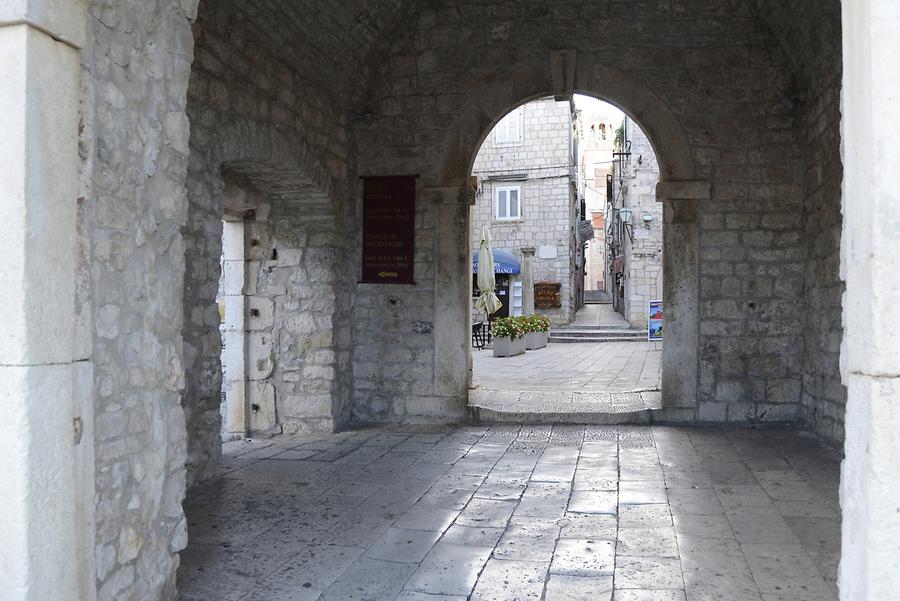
(582, 334)
(597, 322)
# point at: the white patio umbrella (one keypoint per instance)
(487, 301)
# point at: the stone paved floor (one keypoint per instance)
(599, 315)
(510, 513)
(585, 367)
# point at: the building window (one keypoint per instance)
(508, 202)
(509, 130)
(603, 130)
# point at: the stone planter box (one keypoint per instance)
(507, 347)
(535, 340)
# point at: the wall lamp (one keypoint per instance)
(625, 215)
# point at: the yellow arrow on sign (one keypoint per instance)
(388, 274)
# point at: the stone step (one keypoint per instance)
(534, 407)
(589, 339)
(597, 332)
(489, 415)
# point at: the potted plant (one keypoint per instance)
(537, 331)
(509, 337)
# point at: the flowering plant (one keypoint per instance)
(508, 327)
(536, 323)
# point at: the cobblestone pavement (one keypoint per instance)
(507, 513)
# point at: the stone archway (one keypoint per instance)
(290, 215)
(679, 190)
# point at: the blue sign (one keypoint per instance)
(655, 323)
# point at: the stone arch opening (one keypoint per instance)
(250, 161)
(137, 211)
(531, 163)
(281, 318)
(679, 190)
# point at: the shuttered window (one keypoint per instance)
(509, 130)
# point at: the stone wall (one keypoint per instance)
(396, 365)
(548, 212)
(643, 254)
(134, 147)
(256, 120)
(813, 31)
(296, 99)
(721, 76)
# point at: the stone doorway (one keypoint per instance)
(567, 189)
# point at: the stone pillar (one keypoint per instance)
(234, 276)
(528, 280)
(681, 248)
(870, 354)
(44, 521)
(452, 298)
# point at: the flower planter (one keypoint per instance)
(535, 340)
(508, 347)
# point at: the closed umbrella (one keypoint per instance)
(488, 301)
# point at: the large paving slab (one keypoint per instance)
(512, 512)
(595, 367)
(589, 383)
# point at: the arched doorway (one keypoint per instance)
(565, 188)
(679, 190)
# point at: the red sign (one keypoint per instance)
(389, 229)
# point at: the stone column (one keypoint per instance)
(528, 280)
(452, 298)
(46, 380)
(234, 276)
(681, 281)
(870, 354)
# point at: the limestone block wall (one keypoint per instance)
(548, 212)
(643, 254)
(255, 119)
(134, 148)
(815, 31)
(723, 83)
(395, 352)
(292, 337)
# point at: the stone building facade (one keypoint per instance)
(134, 125)
(595, 137)
(526, 198)
(636, 264)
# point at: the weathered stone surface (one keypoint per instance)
(291, 102)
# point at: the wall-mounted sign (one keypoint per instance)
(655, 323)
(546, 295)
(389, 229)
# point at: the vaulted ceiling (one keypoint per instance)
(348, 39)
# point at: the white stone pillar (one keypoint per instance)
(528, 281)
(234, 336)
(870, 247)
(40, 374)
